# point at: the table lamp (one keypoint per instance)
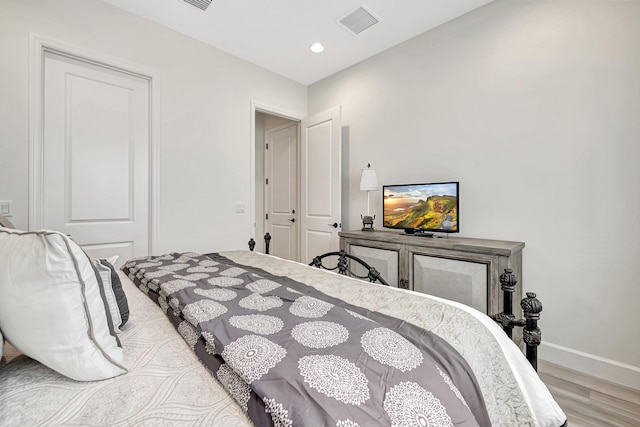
(368, 183)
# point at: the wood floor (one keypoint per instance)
(588, 401)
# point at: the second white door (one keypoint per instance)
(281, 190)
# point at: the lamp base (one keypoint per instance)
(367, 223)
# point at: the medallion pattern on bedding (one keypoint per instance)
(291, 355)
(503, 396)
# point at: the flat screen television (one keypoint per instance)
(422, 208)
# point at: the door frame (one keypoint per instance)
(257, 106)
(38, 46)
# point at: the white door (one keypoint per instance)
(281, 189)
(96, 156)
(320, 207)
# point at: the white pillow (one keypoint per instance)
(51, 307)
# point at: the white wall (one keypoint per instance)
(534, 107)
(205, 129)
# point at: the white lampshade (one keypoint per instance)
(369, 180)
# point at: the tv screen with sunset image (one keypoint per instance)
(422, 207)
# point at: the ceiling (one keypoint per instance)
(277, 34)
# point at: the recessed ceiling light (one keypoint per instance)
(317, 48)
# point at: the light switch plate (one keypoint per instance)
(239, 207)
(6, 208)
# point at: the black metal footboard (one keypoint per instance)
(344, 265)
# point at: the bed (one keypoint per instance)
(171, 373)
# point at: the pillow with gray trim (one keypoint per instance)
(52, 308)
(114, 293)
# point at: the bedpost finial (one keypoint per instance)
(267, 242)
(252, 244)
(508, 280)
(531, 306)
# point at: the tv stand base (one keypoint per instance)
(409, 232)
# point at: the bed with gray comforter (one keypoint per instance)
(241, 338)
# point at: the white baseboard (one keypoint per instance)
(606, 369)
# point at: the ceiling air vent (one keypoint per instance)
(203, 5)
(358, 20)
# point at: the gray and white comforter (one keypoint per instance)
(292, 355)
